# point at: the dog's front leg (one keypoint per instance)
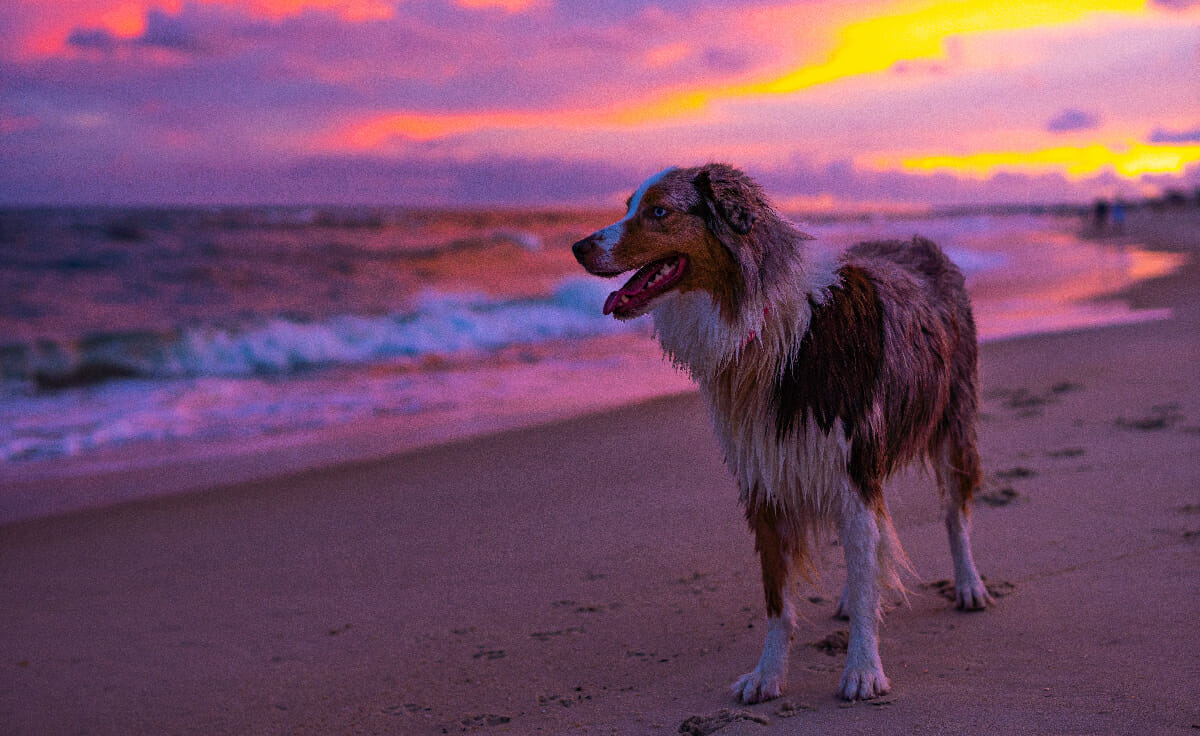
(766, 680)
(859, 530)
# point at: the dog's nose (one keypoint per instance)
(583, 248)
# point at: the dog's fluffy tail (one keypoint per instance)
(891, 556)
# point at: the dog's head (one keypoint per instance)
(685, 229)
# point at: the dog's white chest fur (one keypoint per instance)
(737, 370)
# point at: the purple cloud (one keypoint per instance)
(1162, 135)
(171, 32)
(93, 38)
(1072, 119)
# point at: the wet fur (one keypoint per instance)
(822, 378)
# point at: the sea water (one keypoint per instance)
(133, 327)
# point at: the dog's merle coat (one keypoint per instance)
(822, 380)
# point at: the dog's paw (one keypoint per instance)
(972, 595)
(863, 683)
(757, 686)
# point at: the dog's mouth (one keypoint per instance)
(650, 281)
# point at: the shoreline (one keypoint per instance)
(126, 474)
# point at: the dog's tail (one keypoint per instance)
(891, 556)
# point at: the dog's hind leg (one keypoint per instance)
(766, 680)
(957, 469)
(860, 535)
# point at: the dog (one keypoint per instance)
(822, 377)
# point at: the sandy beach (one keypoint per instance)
(594, 575)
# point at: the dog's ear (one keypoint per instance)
(729, 195)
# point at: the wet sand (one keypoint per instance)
(595, 576)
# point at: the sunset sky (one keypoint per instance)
(476, 102)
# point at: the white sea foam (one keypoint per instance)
(442, 324)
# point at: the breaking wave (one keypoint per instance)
(440, 324)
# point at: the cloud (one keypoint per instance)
(170, 32)
(1073, 119)
(1162, 135)
(181, 32)
(93, 38)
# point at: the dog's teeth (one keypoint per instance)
(659, 275)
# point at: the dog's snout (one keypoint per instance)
(584, 248)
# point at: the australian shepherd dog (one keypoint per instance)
(822, 379)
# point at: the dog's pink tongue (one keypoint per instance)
(611, 302)
(630, 290)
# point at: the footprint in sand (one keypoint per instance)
(698, 583)
(996, 491)
(833, 644)
(788, 709)
(1066, 453)
(1017, 472)
(998, 496)
(1162, 416)
(1028, 403)
(565, 701)
(406, 709)
(548, 635)
(487, 719)
(704, 725)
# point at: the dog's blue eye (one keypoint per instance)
(660, 212)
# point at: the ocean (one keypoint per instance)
(131, 328)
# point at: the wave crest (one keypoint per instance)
(441, 324)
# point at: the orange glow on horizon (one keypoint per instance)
(426, 127)
(351, 10)
(432, 126)
(508, 6)
(125, 21)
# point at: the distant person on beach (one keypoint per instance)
(1100, 214)
(1118, 216)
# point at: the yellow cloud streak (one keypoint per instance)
(919, 34)
(1129, 161)
(911, 32)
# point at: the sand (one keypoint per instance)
(594, 576)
